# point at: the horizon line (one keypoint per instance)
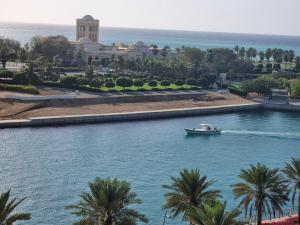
(159, 29)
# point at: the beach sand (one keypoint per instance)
(16, 110)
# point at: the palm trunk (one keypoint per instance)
(3, 61)
(259, 213)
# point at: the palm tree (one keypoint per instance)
(107, 204)
(242, 53)
(236, 49)
(7, 207)
(261, 56)
(213, 214)
(292, 171)
(263, 190)
(29, 69)
(188, 190)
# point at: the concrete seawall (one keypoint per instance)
(282, 107)
(114, 117)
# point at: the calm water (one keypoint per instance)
(51, 166)
(24, 32)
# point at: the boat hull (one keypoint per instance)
(202, 132)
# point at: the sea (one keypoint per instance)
(23, 32)
(51, 166)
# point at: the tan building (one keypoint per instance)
(87, 27)
(87, 41)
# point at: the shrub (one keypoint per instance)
(96, 83)
(110, 84)
(152, 83)
(6, 74)
(261, 85)
(20, 78)
(237, 91)
(19, 88)
(191, 81)
(82, 81)
(69, 81)
(165, 83)
(138, 83)
(179, 82)
(124, 82)
(295, 88)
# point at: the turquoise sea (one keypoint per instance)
(52, 165)
(24, 32)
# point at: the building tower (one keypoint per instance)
(87, 27)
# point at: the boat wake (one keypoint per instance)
(287, 135)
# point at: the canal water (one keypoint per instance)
(51, 166)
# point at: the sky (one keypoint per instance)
(238, 16)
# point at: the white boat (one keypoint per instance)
(205, 129)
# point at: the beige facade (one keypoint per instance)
(87, 27)
(87, 41)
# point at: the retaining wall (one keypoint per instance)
(115, 98)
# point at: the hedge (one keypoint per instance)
(6, 74)
(237, 91)
(19, 88)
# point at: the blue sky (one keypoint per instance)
(242, 16)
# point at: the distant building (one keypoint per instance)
(87, 27)
(88, 41)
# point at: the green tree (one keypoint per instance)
(30, 74)
(295, 88)
(268, 54)
(51, 46)
(213, 214)
(152, 83)
(154, 49)
(138, 82)
(189, 190)
(89, 73)
(57, 61)
(124, 82)
(242, 53)
(292, 171)
(191, 81)
(262, 189)
(286, 58)
(7, 207)
(261, 56)
(236, 49)
(8, 50)
(291, 56)
(110, 84)
(165, 83)
(108, 203)
(297, 62)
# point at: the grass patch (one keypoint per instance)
(20, 88)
